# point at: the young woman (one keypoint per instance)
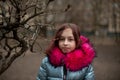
(69, 56)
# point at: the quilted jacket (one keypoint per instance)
(49, 72)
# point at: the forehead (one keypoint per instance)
(67, 32)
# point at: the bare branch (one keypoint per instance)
(29, 18)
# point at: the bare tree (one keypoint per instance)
(18, 31)
(116, 18)
(96, 12)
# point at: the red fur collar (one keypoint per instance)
(73, 61)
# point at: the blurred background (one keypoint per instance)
(27, 27)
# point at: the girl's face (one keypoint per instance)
(67, 42)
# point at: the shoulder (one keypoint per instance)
(90, 69)
(45, 60)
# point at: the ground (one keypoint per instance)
(106, 64)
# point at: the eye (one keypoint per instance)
(61, 39)
(71, 39)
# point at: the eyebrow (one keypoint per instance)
(68, 36)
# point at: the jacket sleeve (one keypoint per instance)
(90, 73)
(42, 74)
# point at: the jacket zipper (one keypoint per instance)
(64, 72)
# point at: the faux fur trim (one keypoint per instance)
(74, 60)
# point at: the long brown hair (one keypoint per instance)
(55, 40)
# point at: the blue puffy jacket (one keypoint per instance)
(49, 72)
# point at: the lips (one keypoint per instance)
(64, 49)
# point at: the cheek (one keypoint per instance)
(73, 45)
(59, 44)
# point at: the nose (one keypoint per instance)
(65, 42)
